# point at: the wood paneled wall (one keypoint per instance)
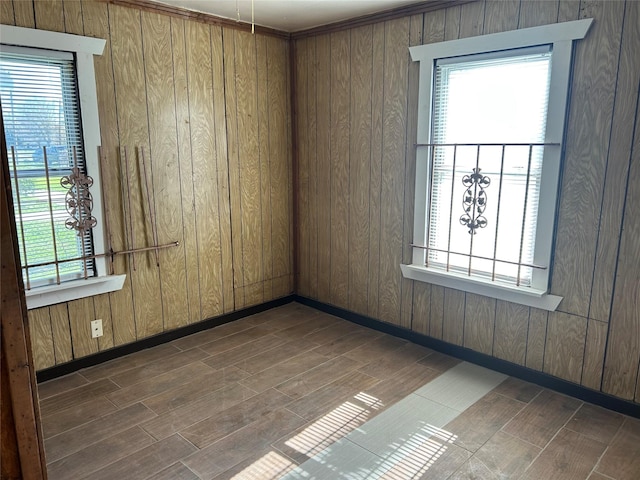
(214, 122)
(356, 98)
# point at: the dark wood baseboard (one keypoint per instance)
(89, 361)
(508, 368)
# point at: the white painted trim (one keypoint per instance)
(521, 295)
(31, 37)
(560, 36)
(67, 291)
(84, 49)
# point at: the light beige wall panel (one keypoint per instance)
(96, 24)
(436, 312)
(73, 22)
(587, 143)
(279, 152)
(312, 164)
(102, 309)
(302, 167)
(511, 332)
(6, 13)
(23, 13)
(421, 308)
(569, 10)
(323, 159)
(452, 23)
(415, 38)
(375, 183)
(479, 321)
(340, 161)
(501, 15)
(49, 15)
(126, 45)
(203, 159)
(233, 145)
(81, 314)
(536, 338)
(41, 338)
(394, 131)
(162, 170)
(222, 165)
(472, 19)
(61, 331)
(359, 178)
(453, 316)
(183, 135)
(537, 12)
(617, 164)
(623, 350)
(564, 349)
(594, 354)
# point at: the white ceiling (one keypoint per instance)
(290, 15)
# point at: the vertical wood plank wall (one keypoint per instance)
(214, 121)
(355, 94)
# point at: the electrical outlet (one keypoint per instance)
(96, 328)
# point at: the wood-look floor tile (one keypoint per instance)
(428, 459)
(60, 385)
(348, 342)
(482, 420)
(177, 471)
(176, 420)
(242, 444)
(474, 469)
(332, 395)
(77, 396)
(336, 330)
(622, 459)
(539, 421)
(148, 461)
(249, 349)
(78, 438)
(69, 418)
(227, 421)
(283, 371)
(194, 389)
(507, 456)
(599, 476)
(375, 348)
(235, 340)
(158, 384)
(315, 324)
(439, 361)
(405, 381)
(596, 422)
(313, 379)
(167, 364)
(264, 360)
(119, 365)
(570, 455)
(268, 464)
(207, 336)
(518, 389)
(389, 363)
(98, 455)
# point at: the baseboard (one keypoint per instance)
(508, 368)
(95, 359)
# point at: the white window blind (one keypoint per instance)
(489, 118)
(40, 108)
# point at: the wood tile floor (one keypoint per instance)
(255, 398)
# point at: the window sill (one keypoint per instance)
(65, 292)
(523, 296)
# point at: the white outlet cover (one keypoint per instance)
(96, 328)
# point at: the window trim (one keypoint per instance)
(83, 48)
(561, 36)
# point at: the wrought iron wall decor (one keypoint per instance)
(78, 199)
(474, 201)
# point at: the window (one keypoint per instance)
(490, 129)
(49, 106)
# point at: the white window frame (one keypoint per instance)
(561, 37)
(83, 48)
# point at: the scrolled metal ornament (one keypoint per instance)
(79, 201)
(474, 201)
